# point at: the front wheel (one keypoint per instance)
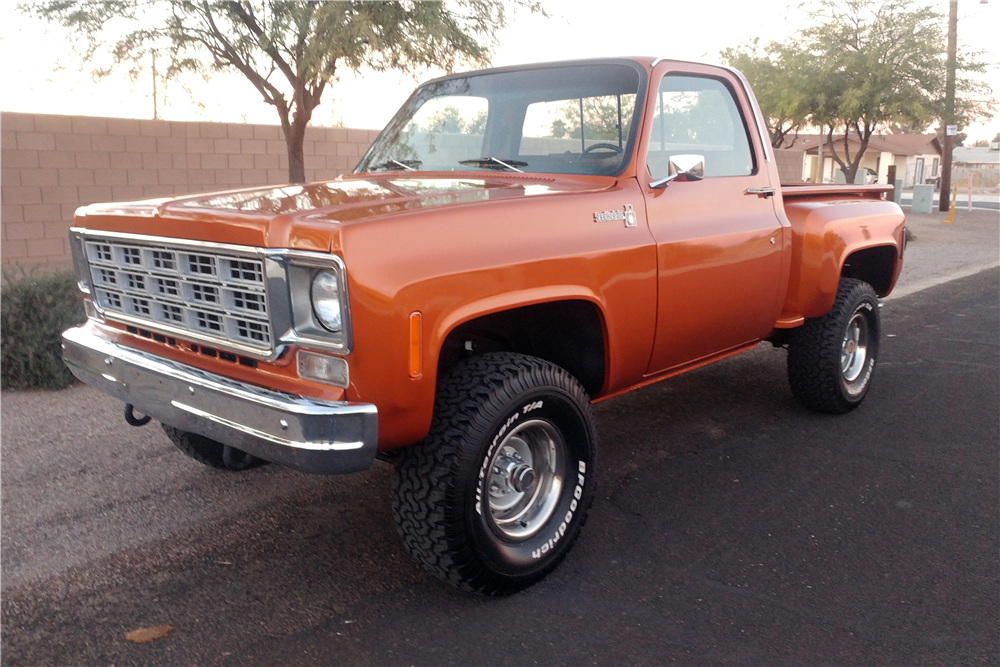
(831, 359)
(494, 497)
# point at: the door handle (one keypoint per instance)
(761, 192)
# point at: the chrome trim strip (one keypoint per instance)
(193, 336)
(765, 140)
(167, 240)
(314, 436)
(317, 446)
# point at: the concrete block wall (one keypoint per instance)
(789, 163)
(51, 164)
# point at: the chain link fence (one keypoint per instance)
(985, 179)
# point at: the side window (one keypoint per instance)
(699, 116)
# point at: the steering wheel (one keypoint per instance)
(611, 147)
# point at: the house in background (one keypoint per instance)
(976, 156)
(981, 163)
(917, 158)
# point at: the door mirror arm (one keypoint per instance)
(664, 182)
(683, 167)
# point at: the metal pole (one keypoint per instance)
(663, 128)
(819, 149)
(156, 116)
(619, 121)
(949, 105)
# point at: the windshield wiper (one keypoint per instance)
(395, 165)
(493, 163)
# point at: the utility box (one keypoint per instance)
(923, 198)
(897, 191)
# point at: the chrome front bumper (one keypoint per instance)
(313, 436)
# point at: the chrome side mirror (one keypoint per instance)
(683, 168)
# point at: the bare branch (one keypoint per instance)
(251, 23)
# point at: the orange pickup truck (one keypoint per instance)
(517, 243)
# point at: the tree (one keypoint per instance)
(599, 120)
(881, 64)
(289, 51)
(448, 120)
(863, 67)
(778, 74)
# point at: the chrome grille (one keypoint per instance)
(220, 296)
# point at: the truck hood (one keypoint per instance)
(308, 216)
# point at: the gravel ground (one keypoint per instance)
(941, 252)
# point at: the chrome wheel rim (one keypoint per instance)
(525, 479)
(854, 348)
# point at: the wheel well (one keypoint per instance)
(567, 333)
(874, 266)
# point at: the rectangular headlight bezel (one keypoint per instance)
(305, 330)
(80, 264)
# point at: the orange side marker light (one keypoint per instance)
(416, 354)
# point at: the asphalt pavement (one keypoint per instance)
(731, 526)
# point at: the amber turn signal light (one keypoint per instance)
(416, 362)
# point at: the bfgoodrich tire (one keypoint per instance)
(494, 497)
(211, 453)
(831, 359)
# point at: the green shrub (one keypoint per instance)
(35, 308)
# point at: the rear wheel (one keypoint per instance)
(494, 497)
(210, 452)
(831, 359)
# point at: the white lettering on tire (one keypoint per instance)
(561, 530)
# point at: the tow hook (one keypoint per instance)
(132, 419)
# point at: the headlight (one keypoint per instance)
(326, 300)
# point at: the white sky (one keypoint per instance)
(40, 73)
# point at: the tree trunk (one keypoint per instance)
(295, 133)
(848, 165)
(296, 158)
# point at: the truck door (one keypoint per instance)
(719, 242)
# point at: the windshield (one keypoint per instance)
(570, 119)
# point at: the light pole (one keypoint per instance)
(949, 106)
(156, 115)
